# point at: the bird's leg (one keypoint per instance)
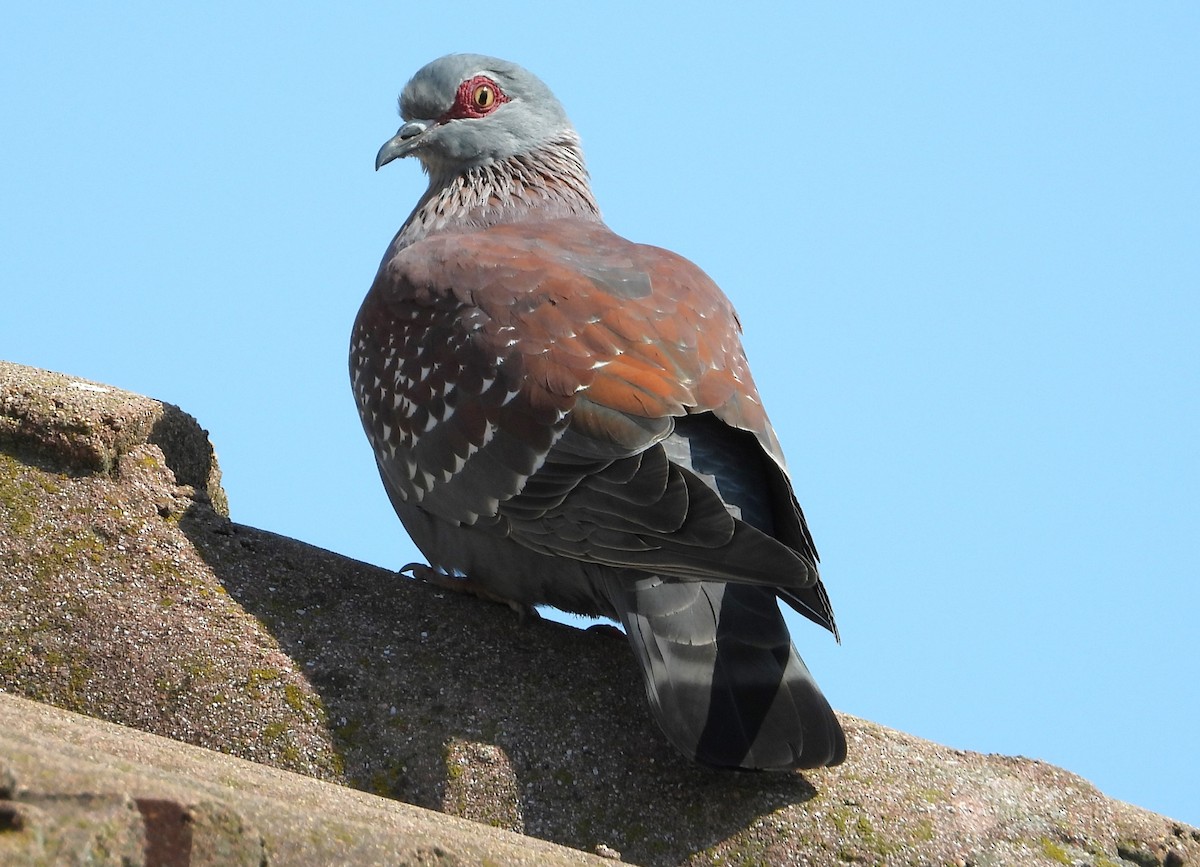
(468, 586)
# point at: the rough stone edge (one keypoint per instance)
(265, 816)
(85, 427)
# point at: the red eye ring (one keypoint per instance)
(478, 96)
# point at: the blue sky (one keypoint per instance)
(963, 241)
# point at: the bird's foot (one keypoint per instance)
(468, 586)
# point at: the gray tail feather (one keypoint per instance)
(724, 681)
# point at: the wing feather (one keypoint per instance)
(544, 366)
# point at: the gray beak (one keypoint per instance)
(402, 143)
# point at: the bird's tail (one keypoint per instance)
(724, 681)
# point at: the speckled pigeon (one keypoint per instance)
(563, 417)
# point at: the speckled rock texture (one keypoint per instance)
(76, 790)
(128, 595)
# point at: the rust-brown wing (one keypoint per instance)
(528, 376)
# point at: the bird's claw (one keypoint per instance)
(468, 586)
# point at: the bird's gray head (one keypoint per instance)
(466, 110)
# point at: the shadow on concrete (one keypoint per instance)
(452, 703)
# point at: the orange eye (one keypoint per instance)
(483, 96)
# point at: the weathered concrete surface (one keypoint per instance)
(125, 595)
(80, 426)
(78, 790)
(109, 609)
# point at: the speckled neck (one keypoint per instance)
(546, 183)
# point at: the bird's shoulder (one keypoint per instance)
(575, 317)
(571, 288)
(549, 260)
